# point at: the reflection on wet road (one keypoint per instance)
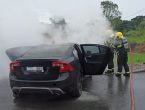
(115, 91)
(100, 92)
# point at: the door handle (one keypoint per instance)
(89, 56)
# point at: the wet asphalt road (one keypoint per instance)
(100, 93)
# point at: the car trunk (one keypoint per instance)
(37, 69)
(35, 63)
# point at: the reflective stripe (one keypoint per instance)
(118, 73)
(110, 69)
(119, 46)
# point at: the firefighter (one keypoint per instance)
(109, 43)
(122, 49)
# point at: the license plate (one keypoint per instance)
(35, 69)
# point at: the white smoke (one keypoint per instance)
(92, 31)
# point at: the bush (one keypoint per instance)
(135, 36)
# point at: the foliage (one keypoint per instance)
(111, 12)
(141, 26)
(116, 24)
(137, 20)
(136, 24)
(136, 36)
(126, 26)
(133, 29)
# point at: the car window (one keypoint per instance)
(91, 49)
(103, 49)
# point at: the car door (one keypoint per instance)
(95, 58)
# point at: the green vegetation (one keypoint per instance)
(132, 28)
(137, 40)
(137, 58)
(111, 12)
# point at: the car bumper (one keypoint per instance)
(53, 90)
(59, 86)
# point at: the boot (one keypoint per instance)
(118, 74)
(109, 71)
(126, 74)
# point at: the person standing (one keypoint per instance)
(122, 49)
(109, 43)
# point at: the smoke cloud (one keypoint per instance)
(20, 24)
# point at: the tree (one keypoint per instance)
(141, 26)
(111, 12)
(126, 26)
(116, 24)
(137, 20)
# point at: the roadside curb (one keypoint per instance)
(138, 68)
(138, 71)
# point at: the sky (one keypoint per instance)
(127, 7)
(130, 8)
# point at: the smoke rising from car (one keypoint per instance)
(20, 24)
(94, 31)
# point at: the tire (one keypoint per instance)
(77, 88)
(88, 76)
(17, 95)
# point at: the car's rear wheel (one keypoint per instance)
(77, 88)
(18, 95)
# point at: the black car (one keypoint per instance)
(55, 69)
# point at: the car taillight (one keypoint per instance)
(63, 67)
(14, 65)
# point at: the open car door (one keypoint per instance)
(95, 58)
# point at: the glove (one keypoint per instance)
(119, 46)
(112, 46)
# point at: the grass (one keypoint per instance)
(138, 58)
(136, 39)
(135, 36)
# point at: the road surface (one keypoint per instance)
(100, 93)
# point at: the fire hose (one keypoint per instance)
(131, 81)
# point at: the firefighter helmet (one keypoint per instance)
(119, 35)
